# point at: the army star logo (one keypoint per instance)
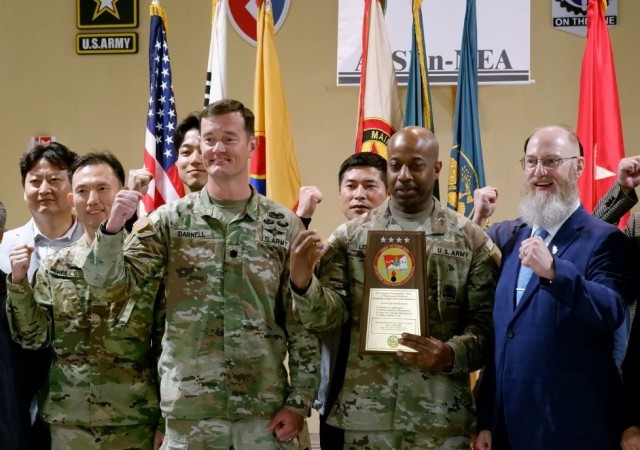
(103, 6)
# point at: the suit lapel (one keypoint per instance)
(568, 233)
(564, 238)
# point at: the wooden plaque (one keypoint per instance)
(394, 290)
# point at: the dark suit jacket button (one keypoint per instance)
(510, 334)
(233, 253)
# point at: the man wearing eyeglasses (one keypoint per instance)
(561, 295)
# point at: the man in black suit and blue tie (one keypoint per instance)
(562, 293)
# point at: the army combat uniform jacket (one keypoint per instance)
(104, 368)
(383, 392)
(229, 321)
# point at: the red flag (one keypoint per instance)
(379, 109)
(398, 261)
(599, 124)
(160, 154)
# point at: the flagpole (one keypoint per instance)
(274, 166)
(160, 154)
(380, 112)
(466, 168)
(599, 125)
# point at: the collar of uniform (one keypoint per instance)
(382, 219)
(436, 224)
(82, 250)
(205, 207)
(438, 218)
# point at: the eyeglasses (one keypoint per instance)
(549, 162)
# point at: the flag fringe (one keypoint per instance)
(156, 10)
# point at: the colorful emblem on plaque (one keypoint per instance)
(394, 265)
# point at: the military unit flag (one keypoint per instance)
(217, 64)
(599, 124)
(418, 105)
(466, 170)
(274, 167)
(160, 154)
(379, 109)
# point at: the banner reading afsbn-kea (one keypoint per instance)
(503, 40)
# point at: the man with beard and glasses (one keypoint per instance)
(561, 295)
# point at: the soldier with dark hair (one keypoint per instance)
(102, 389)
(362, 186)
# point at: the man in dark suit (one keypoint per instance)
(561, 295)
(611, 207)
(17, 370)
(13, 418)
(14, 413)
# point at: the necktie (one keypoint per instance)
(524, 275)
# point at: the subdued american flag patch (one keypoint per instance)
(142, 224)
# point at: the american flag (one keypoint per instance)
(160, 153)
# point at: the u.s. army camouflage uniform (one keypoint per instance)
(382, 393)
(103, 376)
(229, 321)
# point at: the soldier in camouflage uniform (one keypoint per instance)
(223, 254)
(406, 400)
(102, 389)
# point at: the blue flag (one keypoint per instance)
(466, 170)
(418, 106)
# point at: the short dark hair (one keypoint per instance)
(228, 106)
(95, 158)
(364, 159)
(54, 152)
(567, 128)
(191, 122)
